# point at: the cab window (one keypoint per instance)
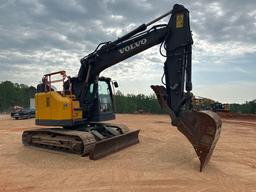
(104, 97)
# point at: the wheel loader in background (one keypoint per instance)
(87, 99)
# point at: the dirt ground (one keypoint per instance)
(163, 161)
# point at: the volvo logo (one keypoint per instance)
(133, 46)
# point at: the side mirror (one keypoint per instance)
(115, 84)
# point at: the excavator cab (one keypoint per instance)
(63, 107)
(100, 100)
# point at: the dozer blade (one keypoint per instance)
(113, 144)
(202, 130)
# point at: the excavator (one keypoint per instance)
(87, 100)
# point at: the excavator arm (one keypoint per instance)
(175, 37)
(202, 129)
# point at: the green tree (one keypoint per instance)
(15, 94)
(248, 107)
(134, 103)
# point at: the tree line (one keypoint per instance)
(12, 94)
(248, 107)
(140, 103)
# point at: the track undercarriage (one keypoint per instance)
(95, 139)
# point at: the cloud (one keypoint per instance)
(47, 35)
(236, 92)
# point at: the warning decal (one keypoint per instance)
(179, 20)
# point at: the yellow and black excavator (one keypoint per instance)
(87, 99)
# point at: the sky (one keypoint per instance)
(43, 36)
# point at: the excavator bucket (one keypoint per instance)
(201, 128)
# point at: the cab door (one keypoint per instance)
(104, 106)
